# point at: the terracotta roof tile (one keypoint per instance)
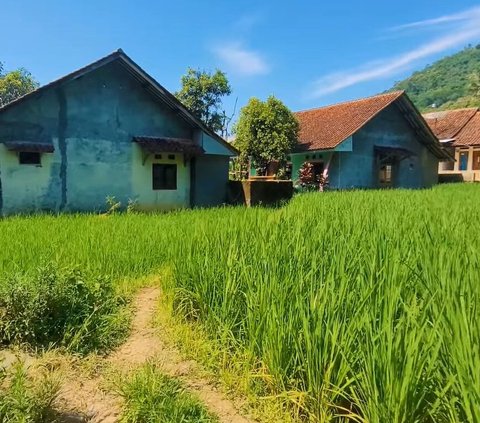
(470, 133)
(446, 124)
(327, 127)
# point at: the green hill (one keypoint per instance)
(446, 83)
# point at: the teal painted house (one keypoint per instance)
(108, 129)
(376, 142)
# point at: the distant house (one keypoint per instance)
(108, 129)
(380, 141)
(459, 132)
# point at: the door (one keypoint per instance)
(463, 165)
(476, 160)
(385, 175)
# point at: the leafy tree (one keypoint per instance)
(202, 93)
(14, 84)
(265, 131)
(475, 84)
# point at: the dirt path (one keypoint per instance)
(85, 401)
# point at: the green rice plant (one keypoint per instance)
(152, 397)
(348, 306)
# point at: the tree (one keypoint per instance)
(202, 94)
(14, 84)
(265, 132)
(475, 84)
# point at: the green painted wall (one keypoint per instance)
(91, 122)
(353, 162)
(357, 169)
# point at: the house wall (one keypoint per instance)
(91, 121)
(471, 174)
(298, 159)
(211, 179)
(389, 128)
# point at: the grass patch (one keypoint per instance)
(152, 397)
(26, 396)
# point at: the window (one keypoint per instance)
(171, 157)
(164, 176)
(28, 158)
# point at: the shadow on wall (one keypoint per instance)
(254, 193)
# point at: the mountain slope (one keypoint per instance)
(446, 83)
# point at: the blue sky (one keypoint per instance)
(308, 53)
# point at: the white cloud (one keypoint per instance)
(241, 60)
(467, 15)
(467, 31)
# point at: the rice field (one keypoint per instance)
(356, 306)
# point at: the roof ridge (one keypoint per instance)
(111, 56)
(461, 109)
(119, 54)
(398, 93)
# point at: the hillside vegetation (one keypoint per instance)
(446, 83)
(347, 306)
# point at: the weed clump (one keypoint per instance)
(26, 398)
(151, 397)
(61, 307)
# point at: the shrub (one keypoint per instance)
(61, 307)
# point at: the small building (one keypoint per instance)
(380, 141)
(459, 132)
(108, 129)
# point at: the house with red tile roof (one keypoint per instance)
(459, 132)
(380, 141)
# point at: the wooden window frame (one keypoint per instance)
(160, 180)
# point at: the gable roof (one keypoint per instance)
(461, 126)
(447, 124)
(327, 127)
(470, 133)
(148, 83)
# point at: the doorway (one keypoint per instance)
(386, 175)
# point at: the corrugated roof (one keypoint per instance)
(327, 127)
(447, 124)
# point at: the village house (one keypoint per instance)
(459, 132)
(375, 142)
(108, 129)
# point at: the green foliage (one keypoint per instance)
(24, 398)
(202, 94)
(15, 84)
(265, 131)
(362, 303)
(446, 83)
(152, 397)
(60, 307)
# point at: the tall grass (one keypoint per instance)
(359, 306)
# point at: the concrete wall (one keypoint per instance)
(357, 169)
(210, 181)
(91, 122)
(298, 159)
